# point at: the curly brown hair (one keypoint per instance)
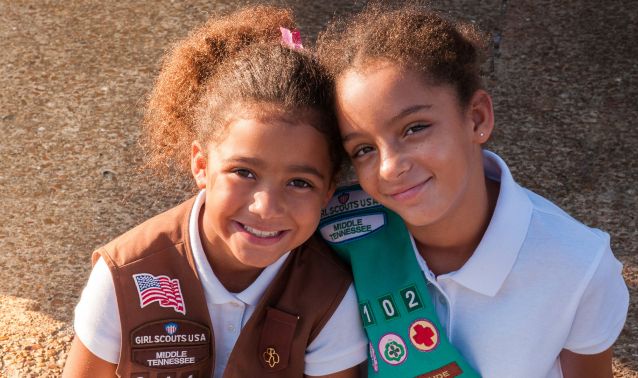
(413, 36)
(233, 64)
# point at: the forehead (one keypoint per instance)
(275, 140)
(265, 113)
(387, 88)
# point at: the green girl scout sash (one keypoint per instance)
(406, 338)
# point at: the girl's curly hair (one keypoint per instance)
(413, 36)
(230, 64)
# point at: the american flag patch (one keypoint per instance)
(161, 289)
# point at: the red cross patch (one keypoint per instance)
(424, 335)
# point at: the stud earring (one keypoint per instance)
(481, 134)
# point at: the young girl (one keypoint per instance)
(522, 289)
(228, 283)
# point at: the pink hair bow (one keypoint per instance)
(291, 38)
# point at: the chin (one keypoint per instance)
(253, 262)
(416, 217)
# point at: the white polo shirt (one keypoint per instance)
(341, 343)
(539, 282)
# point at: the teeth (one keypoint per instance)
(259, 233)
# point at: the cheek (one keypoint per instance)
(306, 211)
(228, 186)
(223, 199)
(367, 175)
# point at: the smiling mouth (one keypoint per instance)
(260, 233)
(409, 193)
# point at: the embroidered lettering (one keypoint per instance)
(450, 370)
(350, 228)
(348, 201)
(170, 357)
(170, 343)
(179, 332)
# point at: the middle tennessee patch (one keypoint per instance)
(345, 229)
(170, 343)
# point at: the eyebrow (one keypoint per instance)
(409, 110)
(306, 169)
(296, 168)
(405, 112)
(245, 160)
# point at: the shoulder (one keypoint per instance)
(97, 320)
(341, 344)
(558, 243)
(317, 271)
(156, 234)
(551, 226)
(543, 233)
(317, 252)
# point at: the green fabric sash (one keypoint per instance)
(406, 338)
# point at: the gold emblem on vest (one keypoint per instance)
(271, 357)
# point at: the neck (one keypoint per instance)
(234, 275)
(447, 244)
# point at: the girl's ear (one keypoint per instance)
(482, 115)
(198, 164)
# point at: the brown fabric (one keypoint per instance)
(157, 340)
(276, 339)
(450, 370)
(310, 285)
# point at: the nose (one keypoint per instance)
(267, 204)
(393, 164)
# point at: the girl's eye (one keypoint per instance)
(299, 183)
(416, 128)
(243, 173)
(361, 151)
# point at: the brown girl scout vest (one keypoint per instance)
(166, 328)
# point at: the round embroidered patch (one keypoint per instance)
(392, 349)
(373, 359)
(424, 335)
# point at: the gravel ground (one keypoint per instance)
(74, 75)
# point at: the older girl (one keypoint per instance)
(522, 288)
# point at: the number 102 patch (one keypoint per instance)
(387, 305)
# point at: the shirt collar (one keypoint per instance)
(493, 259)
(215, 292)
(252, 294)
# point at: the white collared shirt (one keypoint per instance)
(538, 282)
(341, 343)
